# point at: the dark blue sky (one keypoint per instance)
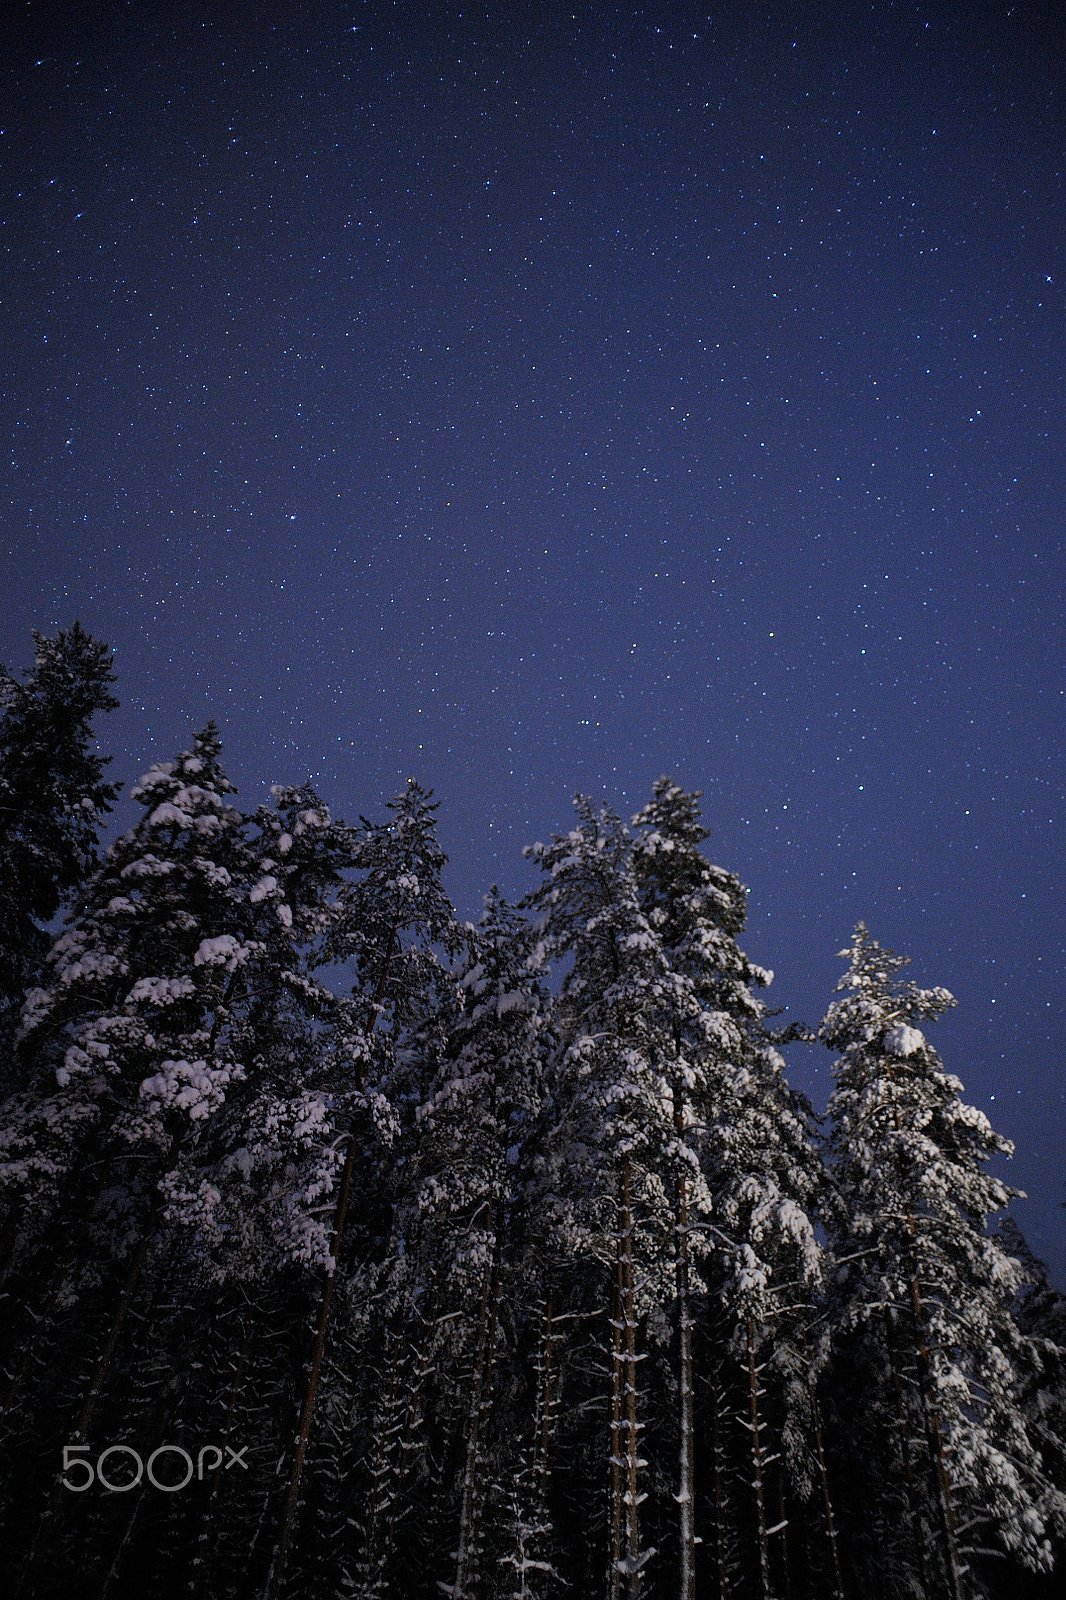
(540, 398)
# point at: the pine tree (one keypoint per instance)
(391, 920)
(130, 1052)
(471, 1165)
(611, 1151)
(920, 1272)
(53, 798)
(753, 1176)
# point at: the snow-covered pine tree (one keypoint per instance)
(52, 799)
(130, 1051)
(275, 1154)
(130, 1044)
(270, 1161)
(766, 1179)
(696, 910)
(472, 1164)
(610, 1158)
(1040, 1312)
(919, 1270)
(391, 921)
(750, 1176)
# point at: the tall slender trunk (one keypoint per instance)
(546, 1401)
(276, 1575)
(686, 1487)
(782, 1529)
(634, 1559)
(717, 1454)
(937, 1454)
(617, 1462)
(757, 1483)
(908, 1468)
(685, 1490)
(466, 1558)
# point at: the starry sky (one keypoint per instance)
(536, 398)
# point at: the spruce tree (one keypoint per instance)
(393, 928)
(754, 1178)
(920, 1274)
(611, 1154)
(472, 1165)
(130, 1051)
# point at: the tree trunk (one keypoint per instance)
(617, 1462)
(908, 1468)
(937, 1456)
(204, 1540)
(545, 1401)
(782, 1528)
(466, 1559)
(757, 1484)
(686, 1494)
(634, 1559)
(377, 1548)
(719, 1491)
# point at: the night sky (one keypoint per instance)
(541, 398)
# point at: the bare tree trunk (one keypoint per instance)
(617, 1463)
(377, 1548)
(908, 1467)
(466, 1559)
(545, 1401)
(756, 1428)
(635, 1559)
(719, 1490)
(686, 1494)
(782, 1528)
(204, 1541)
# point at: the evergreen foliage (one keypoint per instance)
(923, 1281)
(504, 1257)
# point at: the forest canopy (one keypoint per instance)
(505, 1264)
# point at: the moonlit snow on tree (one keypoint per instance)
(472, 1165)
(392, 918)
(609, 1155)
(275, 1155)
(131, 1052)
(909, 1159)
(757, 1164)
(131, 1042)
(507, 1249)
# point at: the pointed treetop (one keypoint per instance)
(878, 1005)
(674, 812)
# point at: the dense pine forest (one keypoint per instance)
(351, 1249)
